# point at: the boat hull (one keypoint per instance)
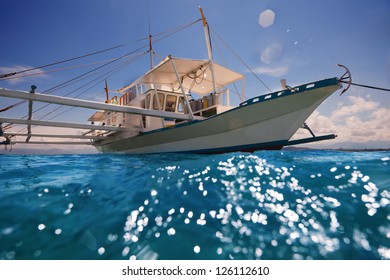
(263, 123)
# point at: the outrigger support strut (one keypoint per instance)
(345, 78)
(314, 138)
(310, 139)
(7, 140)
(305, 126)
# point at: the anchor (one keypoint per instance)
(345, 78)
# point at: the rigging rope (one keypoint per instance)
(13, 105)
(73, 80)
(164, 35)
(98, 79)
(57, 70)
(8, 75)
(237, 92)
(59, 62)
(366, 86)
(69, 82)
(239, 58)
(169, 33)
(112, 71)
(86, 73)
(174, 30)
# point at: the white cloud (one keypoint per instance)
(271, 52)
(359, 122)
(358, 106)
(13, 80)
(272, 71)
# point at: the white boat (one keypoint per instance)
(183, 106)
(264, 122)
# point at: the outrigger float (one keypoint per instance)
(157, 112)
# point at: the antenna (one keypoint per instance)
(150, 39)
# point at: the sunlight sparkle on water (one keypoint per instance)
(197, 249)
(265, 205)
(41, 226)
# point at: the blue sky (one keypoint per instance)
(305, 42)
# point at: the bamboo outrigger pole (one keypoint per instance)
(89, 104)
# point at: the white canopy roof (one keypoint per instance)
(189, 70)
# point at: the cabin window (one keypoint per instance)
(131, 94)
(139, 88)
(147, 103)
(180, 106)
(123, 100)
(158, 103)
(114, 100)
(170, 104)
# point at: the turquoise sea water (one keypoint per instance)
(266, 205)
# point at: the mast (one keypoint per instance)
(209, 50)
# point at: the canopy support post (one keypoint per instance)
(182, 89)
(242, 95)
(30, 111)
(155, 95)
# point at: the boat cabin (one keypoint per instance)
(179, 86)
